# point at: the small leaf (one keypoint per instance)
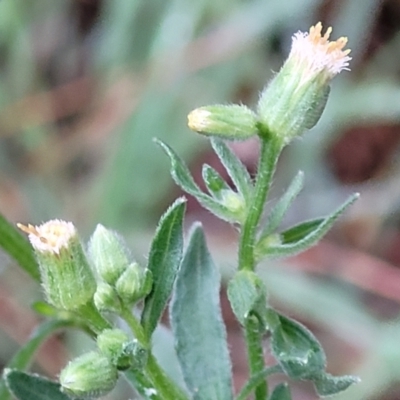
(329, 385)
(23, 357)
(301, 237)
(197, 324)
(236, 170)
(297, 350)
(281, 392)
(278, 212)
(164, 261)
(33, 387)
(214, 183)
(247, 294)
(18, 247)
(181, 175)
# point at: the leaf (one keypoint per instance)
(303, 236)
(236, 170)
(181, 175)
(142, 384)
(214, 183)
(33, 387)
(281, 392)
(164, 261)
(23, 358)
(278, 212)
(247, 294)
(197, 324)
(329, 385)
(18, 247)
(297, 350)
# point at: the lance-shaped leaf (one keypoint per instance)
(164, 261)
(300, 237)
(18, 247)
(196, 321)
(278, 212)
(214, 182)
(329, 385)
(23, 357)
(182, 176)
(236, 170)
(33, 387)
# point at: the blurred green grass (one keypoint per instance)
(86, 85)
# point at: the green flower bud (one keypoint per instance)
(112, 343)
(106, 298)
(235, 203)
(294, 100)
(108, 253)
(67, 278)
(232, 122)
(91, 375)
(134, 284)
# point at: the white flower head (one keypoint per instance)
(315, 54)
(51, 236)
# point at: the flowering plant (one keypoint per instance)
(92, 290)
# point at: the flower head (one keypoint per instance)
(294, 100)
(66, 276)
(51, 236)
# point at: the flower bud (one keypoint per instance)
(294, 100)
(112, 343)
(108, 253)
(106, 298)
(235, 203)
(232, 122)
(67, 278)
(91, 375)
(134, 284)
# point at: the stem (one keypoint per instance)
(269, 154)
(256, 380)
(165, 387)
(255, 352)
(91, 317)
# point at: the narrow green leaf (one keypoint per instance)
(307, 234)
(181, 175)
(23, 358)
(18, 247)
(142, 384)
(236, 170)
(197, 324)
(255, 380)
(278, 212)
(329, 385)
(247, 294)
(297, 350)
(281, 392)
(214, 183)
(33, 387)
(164, 261)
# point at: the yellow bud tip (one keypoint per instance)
(197, 119)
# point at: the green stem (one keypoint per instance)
(255, 380)
(269, 154)
(165, 387)
(255, 352)
(91, 317)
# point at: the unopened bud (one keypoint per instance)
(91, 375)
(112, 343)
(108, 253)
(106, 298)
(232, 122)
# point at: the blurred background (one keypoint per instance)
(86, 84)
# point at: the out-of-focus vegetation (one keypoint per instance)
(86, 84)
